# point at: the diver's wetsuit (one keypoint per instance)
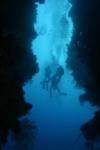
(46, 78)
(55, 80)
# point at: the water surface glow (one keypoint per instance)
(54, 28)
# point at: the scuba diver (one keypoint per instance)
(55, 80)
(47, 76)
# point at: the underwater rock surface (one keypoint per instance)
(84, 57)
(17, 62)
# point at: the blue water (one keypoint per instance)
(59, 118)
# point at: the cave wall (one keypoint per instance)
(84, 58)
(84, 49)
(17, 62)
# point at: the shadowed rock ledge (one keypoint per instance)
(84, 57)
(17, 62)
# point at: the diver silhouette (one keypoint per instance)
(47, 76)
(55, 80)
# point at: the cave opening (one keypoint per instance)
(59, 117)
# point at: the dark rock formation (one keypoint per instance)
(84, 49)
(91, 129)
(84, 55)
(17, 63)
